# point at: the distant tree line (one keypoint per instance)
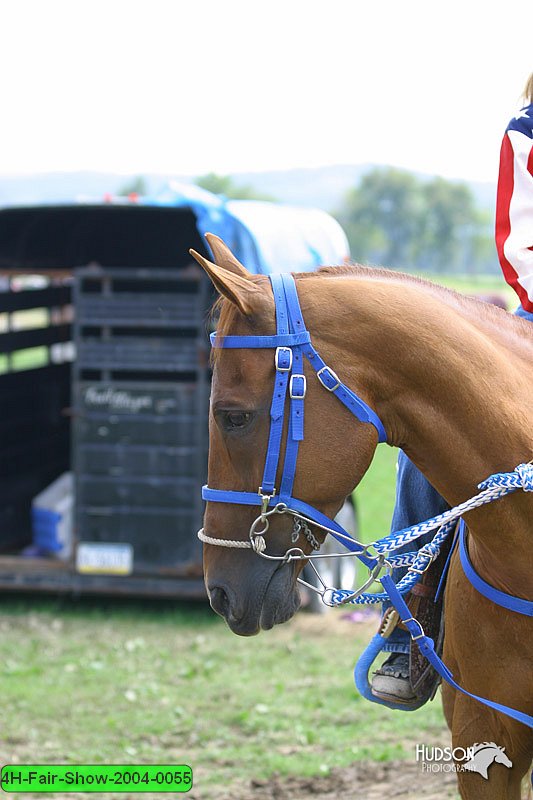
(137, 185)
(224, 184)
(396, 219)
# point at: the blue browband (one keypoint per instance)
(292, 342)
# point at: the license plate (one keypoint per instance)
(104, 559)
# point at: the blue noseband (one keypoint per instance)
(291, 342)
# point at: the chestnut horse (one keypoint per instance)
(451, 378)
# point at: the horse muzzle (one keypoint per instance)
(266, 599)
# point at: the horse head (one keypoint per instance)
(502, 758)
(485, 754)
(250, 592)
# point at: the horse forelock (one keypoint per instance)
(483, 755)
(227, 318)
(222, 314)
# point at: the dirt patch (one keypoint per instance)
(365, 781)
(335, 621)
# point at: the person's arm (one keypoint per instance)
(514, 207)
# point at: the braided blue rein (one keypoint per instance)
(496, 486)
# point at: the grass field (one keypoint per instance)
(169, 683)
(375, 494)
(96, 682)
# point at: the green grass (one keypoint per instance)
(375, 494)
(30, 358)
(169, 683)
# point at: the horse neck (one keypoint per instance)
(429, 362)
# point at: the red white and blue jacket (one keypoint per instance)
(514, 207)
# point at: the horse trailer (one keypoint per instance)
(104, 381)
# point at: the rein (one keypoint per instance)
(291, 343)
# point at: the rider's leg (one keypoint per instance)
(416, 500)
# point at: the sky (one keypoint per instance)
(185, 88)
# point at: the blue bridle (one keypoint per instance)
(292, 341)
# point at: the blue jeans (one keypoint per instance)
(521, 312)
(416, 500)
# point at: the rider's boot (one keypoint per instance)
(391, 682)
(408, 678)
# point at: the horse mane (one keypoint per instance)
(483, 746)
(388, 275)
(225, 313)
(221, 310)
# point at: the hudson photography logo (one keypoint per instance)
(476, 758)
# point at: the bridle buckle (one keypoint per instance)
(297, 392)
(280, 355)
(265, 499)
(332, 375)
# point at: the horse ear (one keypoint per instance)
(242, 291)
(224, 257)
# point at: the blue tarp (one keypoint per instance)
(266, 237)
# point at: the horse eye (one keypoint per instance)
(236, 420)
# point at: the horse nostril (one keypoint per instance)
(219, 601)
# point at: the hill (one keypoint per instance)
(319, 187)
